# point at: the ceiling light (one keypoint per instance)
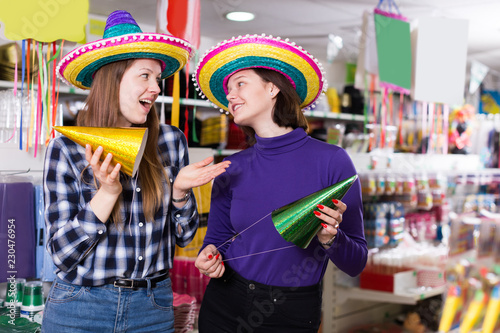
(240, 16)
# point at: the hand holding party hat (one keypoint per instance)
(296, 221)
(125, 144)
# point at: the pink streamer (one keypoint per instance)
(15, 76)
(431, 127)
(391, 15)
(446, 114)
(39, 106)
(424, 125)
(383, 121)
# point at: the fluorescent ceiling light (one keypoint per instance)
(240, 16)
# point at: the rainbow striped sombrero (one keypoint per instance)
(259, 51)
(123, 39)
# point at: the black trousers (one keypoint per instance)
(232, 304)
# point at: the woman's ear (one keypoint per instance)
(273, 90)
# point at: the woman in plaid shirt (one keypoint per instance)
(111, 236)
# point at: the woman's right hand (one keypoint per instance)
(209, 262)
(107, 174)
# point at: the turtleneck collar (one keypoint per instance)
(283, 143)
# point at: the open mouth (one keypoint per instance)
(236, 107)
(146, 103)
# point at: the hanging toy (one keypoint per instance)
(460, 130)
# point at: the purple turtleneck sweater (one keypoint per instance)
(272, 173)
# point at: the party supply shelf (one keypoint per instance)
(344, 303)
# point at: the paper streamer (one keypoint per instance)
(175, 104)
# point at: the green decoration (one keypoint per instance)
(296, 221)
(393, 51)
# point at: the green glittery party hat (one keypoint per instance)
(296, 221)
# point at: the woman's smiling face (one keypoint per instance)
(249, 97)
(138, 91)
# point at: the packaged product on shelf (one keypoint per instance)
(399, 184)
(462, 239)
(491, 319)
(455, 296)
(421, 225)
(422, 264)
(450, 312)
(375, 222)
(424, 194)
(368, 186)
(409, 198)
(14, 296)
(486, 238)
(335, 134)
(380, 184)
(33, 304)
(474, 311)
(390, 183)
(17, 221)
(395, 222)
(496, 247)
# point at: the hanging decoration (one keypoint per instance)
(440, 60)
(387, 58)
(40, 26)
(477, 73)
(45, 21)
(126, 144)
(181, 18)
(174, 117)
(393, 47)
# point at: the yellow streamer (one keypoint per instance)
(176, 102)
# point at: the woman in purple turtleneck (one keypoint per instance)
(259, 282)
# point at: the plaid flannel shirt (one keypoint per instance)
(91, 253)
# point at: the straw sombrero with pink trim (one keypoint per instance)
(303, 71)
(123, 39)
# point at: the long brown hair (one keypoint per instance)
(286, 111)
(103, 110)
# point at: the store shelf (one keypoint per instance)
(225, 152)
(67, 90)
(325, 114)
(344, 294)
(322, 114)
(63, 88)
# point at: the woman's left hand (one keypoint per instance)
(331, 218)
(198, 174)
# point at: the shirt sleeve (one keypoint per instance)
(73, 227)
(185, 219)
(349, 251)
(219, 228)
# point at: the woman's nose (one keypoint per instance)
(155, 88)
(230, 95)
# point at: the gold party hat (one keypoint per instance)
(296, 221)
(125, 144)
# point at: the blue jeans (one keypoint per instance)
(108, 309)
